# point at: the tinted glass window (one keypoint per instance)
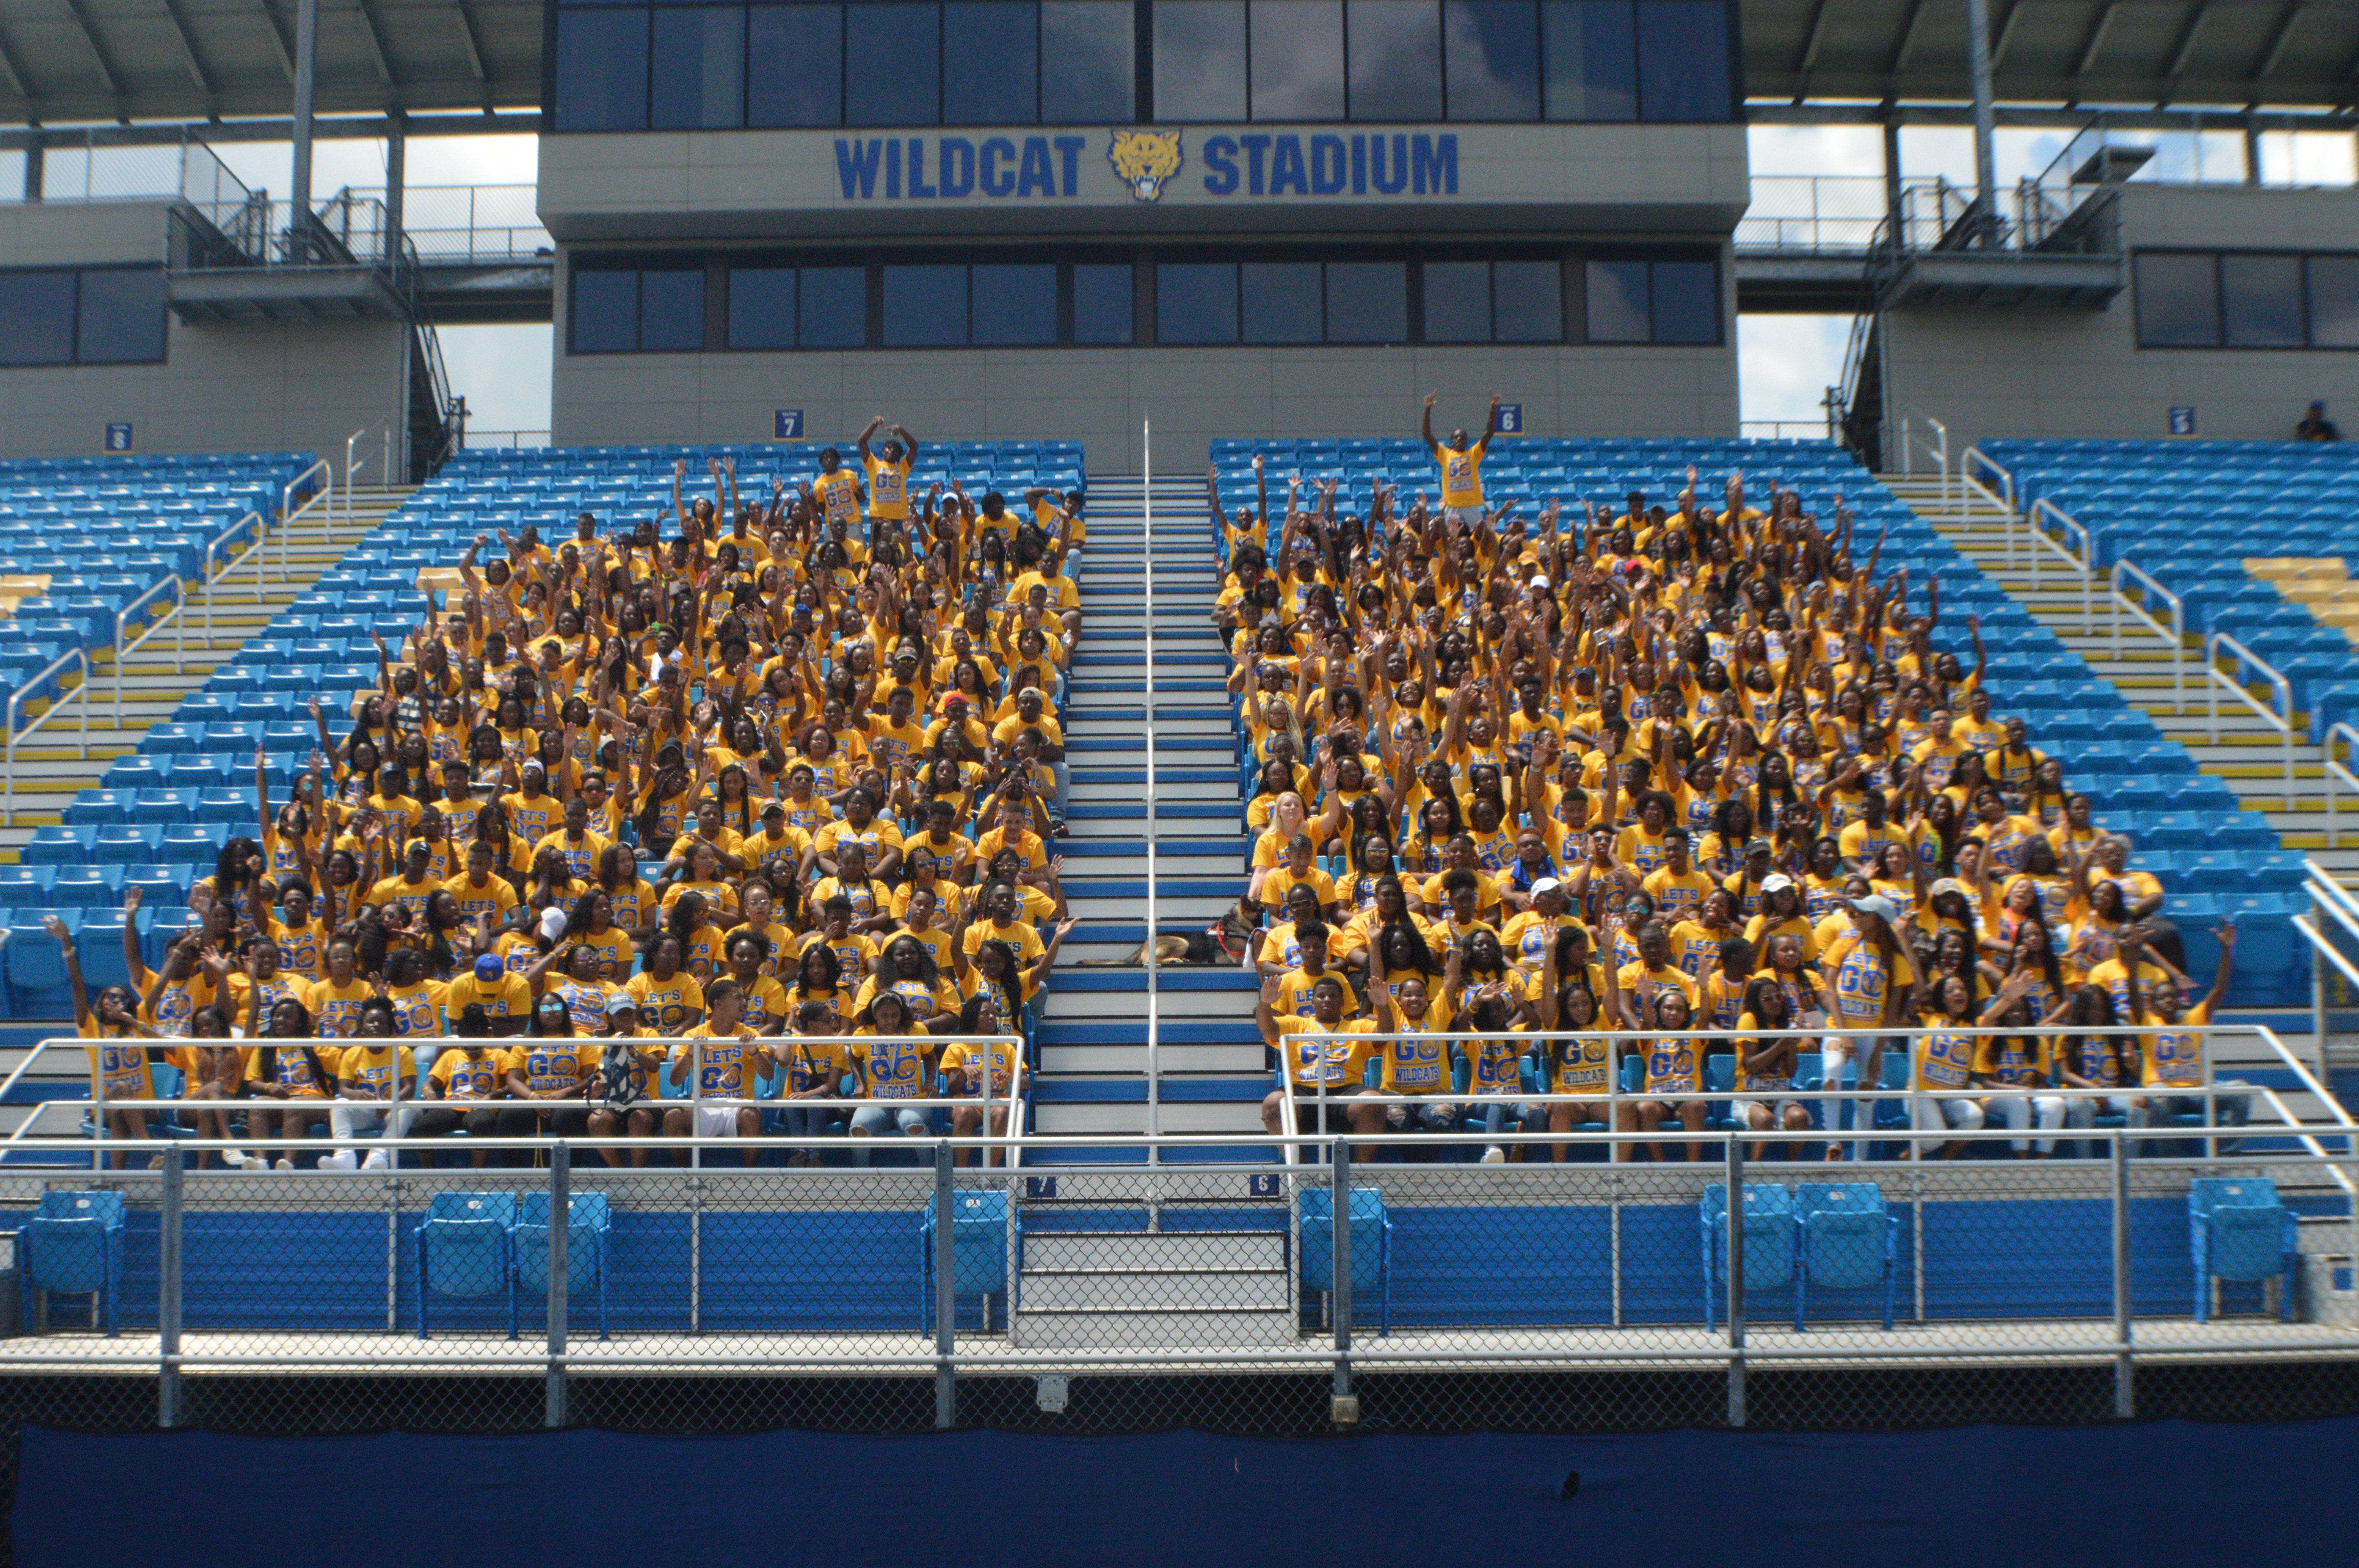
(1196, 302)
(700, 69)
(762, 307)
(1367, 302)
(2334, 301)
(1394, 59)
(602, 71)
(1281, 302)
(994, 47)
(925, 307)
(892, 64)
(2260, 301)
(36, 317)
(122, 318)
(1687, 302)
(1088, 46)
(1527, 301)
(834, 308)
(1016, 303)
(1617, 302)
(606, 312)
(1101, 303)
(671, 311)
(1458, 302)
(2178, 301)
(794, 57)
(1298, 60)
(1200, 59)
(1588, 60)
(1683, 60)
(1490, 48)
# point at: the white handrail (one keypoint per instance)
(80, 696)
(1937, 449)
(2085, 564)
(2002, 499)
(384, 464)
(2175, 634)
(2329, 898)
(2281, 719)
(179, 637)
(1154, 963)
(213, 546)
(289, 511)
(2334, 770)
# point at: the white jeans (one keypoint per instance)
(2018, 1111)
(1934, 1115)
(1835, 1051)
(347, 1118)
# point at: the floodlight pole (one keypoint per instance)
(1978, 69)
(306, 62)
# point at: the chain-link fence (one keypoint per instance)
(2131, 1274)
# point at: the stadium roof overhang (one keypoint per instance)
(2290, 55)
(115, 61)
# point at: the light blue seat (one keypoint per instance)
(2239, 1229)
(588, 1246)
(1847, 1240)
(1372, 1247)
(72, 1246)
(1769, 1241)
(979, 1222)
(465, 1251)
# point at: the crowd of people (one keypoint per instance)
(1676, 763)
(754, 798)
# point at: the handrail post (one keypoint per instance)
(2125, 1370)
(1154, 989)
(560, 1226)
(1339, 1265)
(167, 1293)
(1736, 1270)
(945, 1293)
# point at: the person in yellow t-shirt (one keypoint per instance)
(1461, 464)
(2171, 1058)
(835, 493)
(889, 474)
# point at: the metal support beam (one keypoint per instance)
(396, 178)
(2095, 40)
(2185, 50)
(2252, 151)
(106, 71)
(1907, 38)
(376, 37)
(1978, 70)
(12, 71)
(279, 36)
(306, 70)
(2006, 33)
(470, 35)
(357, 128)
(189, 56)
(1892, 173)
(35, 154)
(2011, 117)
(2279, 40)
(1817, 36)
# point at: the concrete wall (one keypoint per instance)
(2036, 370)
(1099, 396)
(223, 386)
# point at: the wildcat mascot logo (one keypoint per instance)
(1146, 161)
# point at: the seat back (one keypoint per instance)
(588, 1220)
(1318, 1238)
(2208, 1193)
(978, 1240)
(465, 1237)
(1842, 1233)
(71, 1234)
(1769, 1233)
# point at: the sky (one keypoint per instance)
(1785, 364)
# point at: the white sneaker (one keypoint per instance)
(340, 1159)
(284, 1163)
(1495, 1155)
(375, 1162)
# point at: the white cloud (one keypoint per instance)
(502, 371)
(1784, 364)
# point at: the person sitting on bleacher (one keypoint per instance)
(2171, 1047)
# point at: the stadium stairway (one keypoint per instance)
(1092, 1033)
(50, 768)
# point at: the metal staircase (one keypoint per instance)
(1095, 1073)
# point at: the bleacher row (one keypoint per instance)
(2187, 513)
(160, 816)
(2213, 859)
(84, 539)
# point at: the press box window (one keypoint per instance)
(654, 310)
(1652, 301)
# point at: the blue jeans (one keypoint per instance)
(1496, 1109)
(873, 1120)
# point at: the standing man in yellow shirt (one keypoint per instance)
(889, 477)
(1461, 464)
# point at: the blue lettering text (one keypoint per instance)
(1397, 181)
(892, 170)
(995, 180)
(1286, 170)
(1359, 166)
(1326, 165)
(1069, 149)
(1435, 162)
(855, 165)
(1256, 147)
(955, 167)
(1033, 177)
(918, 186)
(1220, 165)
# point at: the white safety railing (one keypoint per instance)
(2338, 773)
(178, 589)
(324, 498)
(1153, 959)
(1935, 446)
(2084, 565)
(353, 465)
(2330, 901)
(2173, 632)
(218, 577)
(2279, 718)
(18, 734)
(1973, 470)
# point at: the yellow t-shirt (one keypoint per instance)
(1462, 473)
(888, 489)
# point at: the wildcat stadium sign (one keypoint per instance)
(1149, 164)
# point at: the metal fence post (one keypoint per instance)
(1736, 1280)
(167, 1295)
(560, 1224)
(1339, 1271)
(2125, 1370)
(945, 1293)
